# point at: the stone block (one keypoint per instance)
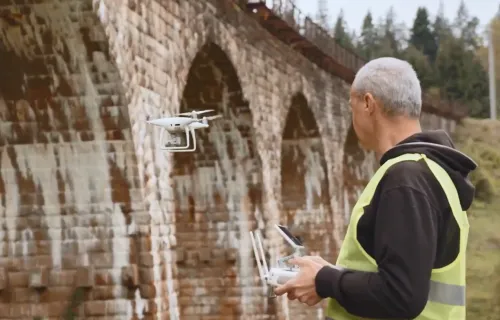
(39, 278)
(130, 276)
(85, 277)
(3, 278)
(180, 256)
(231, 255)
(205, 255)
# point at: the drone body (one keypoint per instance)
(182, 124)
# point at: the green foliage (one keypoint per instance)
(475, 139)
(341, 33)
(421, 65)
(421, 35)
(444, 55)
(368, 44)
(75, 300)
(480, 139)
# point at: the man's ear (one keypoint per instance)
(369, 101)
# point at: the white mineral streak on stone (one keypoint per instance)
(229, 178)
(362, 171)
(63, 28)
(314, 175)
(122, 34)
(12, 200)
(26, 238)
(40, 164)
(347, 207)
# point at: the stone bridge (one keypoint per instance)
(98, 223)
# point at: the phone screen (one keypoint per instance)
(289, 235)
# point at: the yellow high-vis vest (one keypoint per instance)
(447, 284)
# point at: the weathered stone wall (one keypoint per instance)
(91, 203)
(71, 199)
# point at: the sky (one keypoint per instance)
(355, 10)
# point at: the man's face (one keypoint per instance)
(362, 107)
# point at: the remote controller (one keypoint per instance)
(283, 272)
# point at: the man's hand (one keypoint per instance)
(303, 287)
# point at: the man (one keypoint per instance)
(403, 256)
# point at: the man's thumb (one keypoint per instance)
(299, 261)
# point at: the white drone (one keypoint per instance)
(180, 124)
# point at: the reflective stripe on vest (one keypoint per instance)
(446, 299)
(444, 293)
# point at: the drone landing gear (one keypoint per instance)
(179, 149)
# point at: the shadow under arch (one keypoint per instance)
(217, 191)
(359, 166)
(304, 188)
(304, 180)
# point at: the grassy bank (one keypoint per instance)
(480, 139)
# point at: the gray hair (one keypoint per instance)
(393, 82)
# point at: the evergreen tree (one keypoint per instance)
(368, 42)
(421, 36)
(440, 27)
(461, 77)
(421, 65)
(469, 35)
(322, 15)
(341, 35)
(461, 19)
(388, 33)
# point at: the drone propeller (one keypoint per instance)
(206, 119)
(194, 113)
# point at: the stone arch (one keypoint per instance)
(63, 165)
(304, 183)
(217, 190)
(214, 35)
(359, 166)
(305, 193)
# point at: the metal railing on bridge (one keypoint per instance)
(347, 60)
(312, 31)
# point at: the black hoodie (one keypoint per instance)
(408, 228)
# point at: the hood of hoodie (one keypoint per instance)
(438, 146)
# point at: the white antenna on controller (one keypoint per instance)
(258, 252)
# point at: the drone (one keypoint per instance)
(182, 124)
(283, 272)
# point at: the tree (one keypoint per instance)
(391, 36)
(461, 77)
(368, 42)
(322, 15)
(461, 19)
(421, 65)
(482, 53)
(421, 36)
(471, 39)
(341, 35)
(441, 26)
